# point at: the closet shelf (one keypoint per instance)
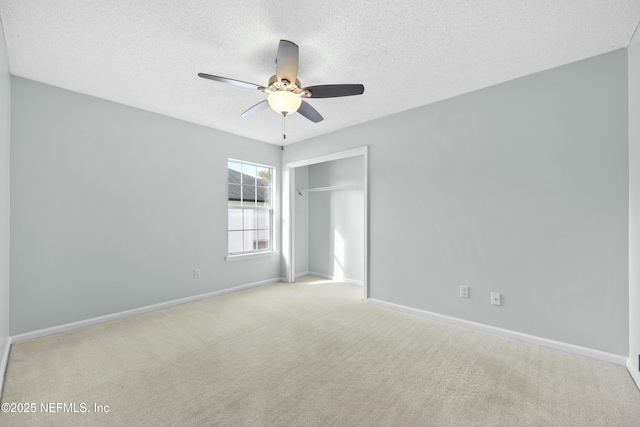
(332, 188)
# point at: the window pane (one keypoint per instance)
(250, 238)
(234, 173)
(249, 195)
(234, 194)
(263, 196)
(235, 166)
(263, 239)
(263, 219)
(264, 177)
(235, 219)
(249, 173)
(235, 242)
(249, 219)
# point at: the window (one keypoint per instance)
(250, 193)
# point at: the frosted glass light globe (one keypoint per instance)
(284, 101)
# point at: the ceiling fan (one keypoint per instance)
(285, 90)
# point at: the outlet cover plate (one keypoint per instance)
(464, 292)
(495, 298)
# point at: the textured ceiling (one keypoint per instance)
(147, 54)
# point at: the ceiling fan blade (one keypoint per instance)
(287, 61)
(231, 81)
(309, 112)
(334, 91)
(256, 108)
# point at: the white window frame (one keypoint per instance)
(236, 256)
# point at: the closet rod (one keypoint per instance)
(332, 188)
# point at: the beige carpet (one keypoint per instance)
(307, 354)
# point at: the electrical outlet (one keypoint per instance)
(495, 298)
(196, 273)
(464, 292)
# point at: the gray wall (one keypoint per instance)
(634, 200)
(336, 219)
(520, 188)
(5, 121)
(113, 208)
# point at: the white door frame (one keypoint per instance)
(289, 209)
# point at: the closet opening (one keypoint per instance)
(325, 218)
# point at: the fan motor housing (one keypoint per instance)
(276, 85)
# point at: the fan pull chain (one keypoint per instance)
(284, 135)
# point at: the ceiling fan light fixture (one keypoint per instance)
(286, 93)
(284, 102)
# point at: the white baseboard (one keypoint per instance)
(518, 336)
(4, 362)
(336, 278)
(95, 320)
(302, 274)
(634, 373)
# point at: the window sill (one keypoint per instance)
(242, 257)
